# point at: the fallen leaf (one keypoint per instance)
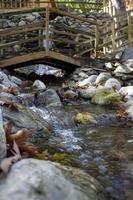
(6, 163)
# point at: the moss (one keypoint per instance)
(84, 117)
(104, 96)
(62, 158)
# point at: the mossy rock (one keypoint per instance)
(62, 158)
(84, 118)
(105, 96)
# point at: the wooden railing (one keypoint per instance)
(116, 33)
(44, 37)
(13, 4)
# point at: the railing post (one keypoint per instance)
(113, 35)
(96, 39)
(47, 31)
(129, 29)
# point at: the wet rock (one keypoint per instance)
(105, 96)
(25, 118)
(7, 97)
(102, 78)
(113, 83)
(5, 80)
(39, 85)
(35, 179)
(70, 94)
(16, 80)
(2, 138)
(49, 98)
(87, 93)
(26, 99)
(84, 118)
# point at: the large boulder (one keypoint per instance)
(49, 98)
(113, 83)
(25, 118)
(105, 96)
(32, 179)
(102, 78)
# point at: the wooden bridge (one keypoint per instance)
(38, 40)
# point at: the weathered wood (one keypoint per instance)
(47, 30)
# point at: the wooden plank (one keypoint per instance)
(64, 58)
(47, 30)
(23, 58)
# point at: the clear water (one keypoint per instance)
(105, 150)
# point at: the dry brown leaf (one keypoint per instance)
(6, 164)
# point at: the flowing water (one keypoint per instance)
(105, 150)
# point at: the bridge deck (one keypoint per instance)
(45, 39)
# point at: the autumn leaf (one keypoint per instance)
(6, 163)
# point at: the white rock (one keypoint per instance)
(102, 78)
(88, 81)
(128, 91)
(39, 85)
(108, 65)
(112, 82)
(123, 69)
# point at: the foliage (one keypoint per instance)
(82, 6)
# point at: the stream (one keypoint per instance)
(104, 150)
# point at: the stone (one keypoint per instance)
(3, 148)
(17, 48)
(87, 93)
(84, 118)
(128, 63)
(105, 96)
(113, 83)
(49, 98)
(88, 81)
(119, 55)
(30, 18)
(108, 65)
(32, 179)
(26, 99)
(83, 75)
(26, 118)
(22, 23)
(39, 85)
(127, 54)
(70, 94)
(5, 80)
(102, 78)
(127, 91)
(16, 80)
(123, 69)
